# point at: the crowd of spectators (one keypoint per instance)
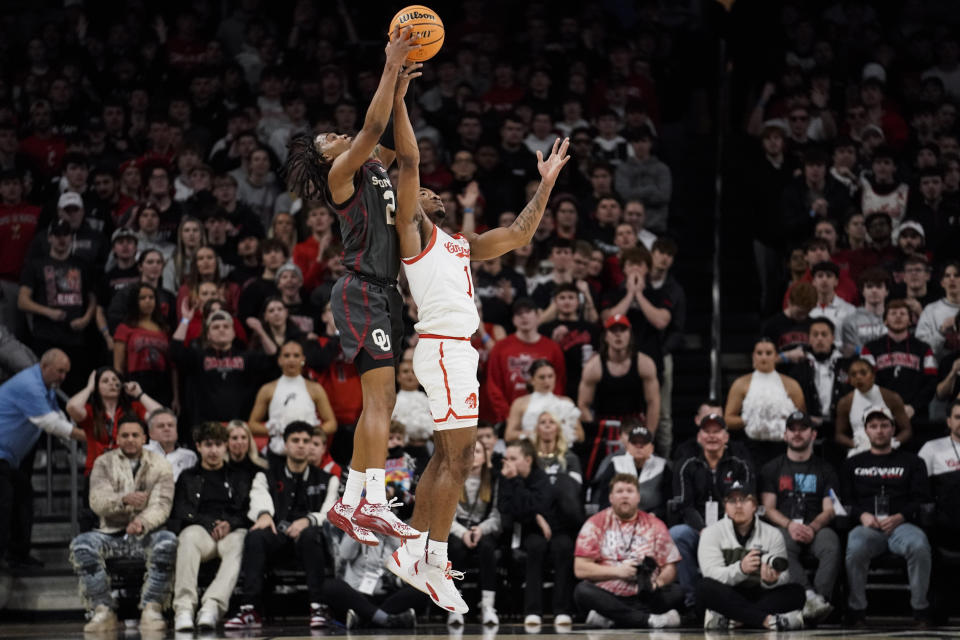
(179, 295)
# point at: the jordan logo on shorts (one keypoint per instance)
(471, 401)
(381, 339)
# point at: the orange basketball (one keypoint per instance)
(427, 28)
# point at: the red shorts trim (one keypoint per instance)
(435, 336)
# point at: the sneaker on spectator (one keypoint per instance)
(663, 620)
(488, 615)
(207, 618)
(562, 620)
(352, 619)
(816, 608)
(786, 621)
(151, 618)
(594, 619)
(341, 516)
(714, 620)
(104, 619)
(532, 620)
(183, 620)
(318, 615)
(454, 619)
(378, 516)
(246, 618)
(406, 619)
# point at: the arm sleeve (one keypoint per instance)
(55, 423)
(260, 499)
(319, 517)
(928, 331)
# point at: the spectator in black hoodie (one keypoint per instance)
(528, 508)
(885, 488)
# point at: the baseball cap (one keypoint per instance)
(873, 410)
(872, 128)
(910, 224)
(874, 71)
(617, 319)
(826, 265)
(737, 486)
(639, 434)
(713, 418)
(219, 315)
(123, 232)
(61, 228)
(70, 199)
(799, 418)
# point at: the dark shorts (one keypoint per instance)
(368, 317)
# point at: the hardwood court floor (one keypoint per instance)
(295, 630)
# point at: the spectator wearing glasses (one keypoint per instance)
(795, 491)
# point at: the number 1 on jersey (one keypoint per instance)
(391, 206)
(466, 272)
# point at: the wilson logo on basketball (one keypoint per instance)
(471, 401)
(457, 250)
(415, 15)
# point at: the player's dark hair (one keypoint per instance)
(306, 169)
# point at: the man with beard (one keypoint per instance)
(820, 370)
(885, 488)
(795, 490)
(627, 580)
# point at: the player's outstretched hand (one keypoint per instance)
(407, 74)
(402, 43)
(550, 168)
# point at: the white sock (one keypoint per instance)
(437, 554)
(488, 598)
(416, 547)
(351, 493)
(376, 490)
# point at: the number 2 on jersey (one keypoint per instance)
(391, 206)
(466, 272)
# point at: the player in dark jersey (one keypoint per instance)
(350, 174)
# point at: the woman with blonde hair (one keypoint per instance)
(473, 535)
(242, 447)
(190, 237)
(526, 410)
(553, 451)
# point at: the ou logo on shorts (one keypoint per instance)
(381, 339)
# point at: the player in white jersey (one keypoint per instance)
(437, 266)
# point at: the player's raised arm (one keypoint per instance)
(378, 113)
(408, 162)
(499, 241)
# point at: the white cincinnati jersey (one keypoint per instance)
(442, 286)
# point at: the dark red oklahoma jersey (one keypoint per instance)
(367, 222)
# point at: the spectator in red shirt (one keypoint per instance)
(18, 223)
(308, 255)
(508, 369)
(43, 146)
(142, 348)
(97, 407)
(505, 92)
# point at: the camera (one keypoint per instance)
(283, 525)
(777, 563)
(645, 571)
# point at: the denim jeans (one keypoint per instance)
(908, 541)
(688, 569)
(89, 552)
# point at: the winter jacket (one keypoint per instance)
(112, 478)
(694, 482)
(720, 552)
(186, 500)
(272, 493)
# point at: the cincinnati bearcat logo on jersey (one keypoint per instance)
(457, 250)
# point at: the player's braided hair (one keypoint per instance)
(306, 169)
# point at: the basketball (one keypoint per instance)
(427, 28)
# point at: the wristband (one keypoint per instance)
(783, 357)
(184, 320)
(468, 209)
(485, 338)
(105, 330)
